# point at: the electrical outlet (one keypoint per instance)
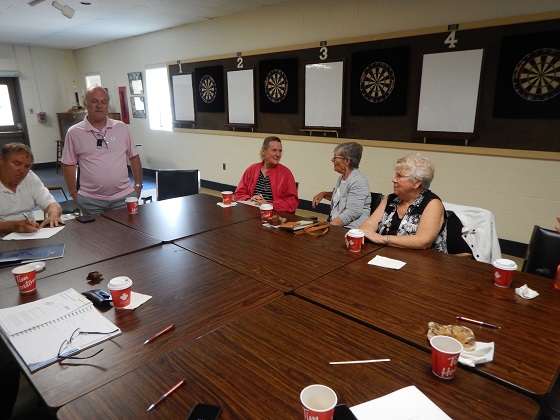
(31, 111)
(224, 166)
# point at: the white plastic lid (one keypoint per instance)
(505, 264)
(356, 233)
(266, 207)
(119, 283)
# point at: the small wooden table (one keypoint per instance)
(176, 218)
(256, 366)
(195, 294)
(85, 243)
(438, 287)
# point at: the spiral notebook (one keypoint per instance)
(37, 329)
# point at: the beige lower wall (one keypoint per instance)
(520, 192)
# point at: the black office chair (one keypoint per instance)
(376, 199)
(171, 183)
(543, 253)
(68, 206)
(455, 241)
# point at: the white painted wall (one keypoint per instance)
(46, 77)
(520, 192)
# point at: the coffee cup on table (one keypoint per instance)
(121, 290)
(445, 355)
(504, 271)
(132, 205)
(227, 196)
(25, 277)
(354, 239)
(318, 402)
(266, 212)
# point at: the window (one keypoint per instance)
(159, 102)
(93, 80)
(6, 117)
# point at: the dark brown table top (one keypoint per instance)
(85, 243)
(439, 287)
(255, 367)
(275, 256)
(194, 293)
(176, 218)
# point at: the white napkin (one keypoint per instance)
(525, 292)
(226, 205)
(136, 299)
(482, 353)
(387, 262)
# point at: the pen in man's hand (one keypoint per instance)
(485, 324)
(159, 333)
(167, 394)
(26, 216)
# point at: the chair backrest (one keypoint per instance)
(376, 199)
(455, 241)
(171, 183)
(543, 253)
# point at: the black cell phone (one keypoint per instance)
(203, 411)
(343, 412)
(85, 219)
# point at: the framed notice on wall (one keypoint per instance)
(241, 96)
(449, 91)
(183, 97)
(323, 94)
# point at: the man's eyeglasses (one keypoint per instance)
(64, 354)
(337, 157)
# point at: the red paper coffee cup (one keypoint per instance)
(445, 356)
(318, 402)
(227, 196)
(132, 205)
(25, 277)
(266, 212)
(354, 240)
(504, 271)
(121, 289)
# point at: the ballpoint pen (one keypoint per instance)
(485, 324)
(159, 333)
(167, 394)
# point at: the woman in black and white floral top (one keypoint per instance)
(413, 216)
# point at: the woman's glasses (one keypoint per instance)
(64, 354)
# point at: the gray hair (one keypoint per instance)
(90, 89)
(10, 148)
(266, 143)
(351, 150)
(418, 167)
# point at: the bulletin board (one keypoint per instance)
(324, 82)
(383, 83)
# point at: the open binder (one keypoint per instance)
(37, 329)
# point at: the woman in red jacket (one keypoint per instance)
(269, 181)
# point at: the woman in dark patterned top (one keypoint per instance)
(413, 216)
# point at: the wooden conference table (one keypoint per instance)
(85, 243)
(194, 293)
(438, 287)
(275, 256)
(255, 367)
(176, 218)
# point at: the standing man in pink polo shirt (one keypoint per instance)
(101, 147)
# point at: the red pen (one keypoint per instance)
(167, 394)
(159, 333)
(485, 324)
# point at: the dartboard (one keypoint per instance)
(207, 89)
(377, 82)
(537, 76)
(276, 86)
